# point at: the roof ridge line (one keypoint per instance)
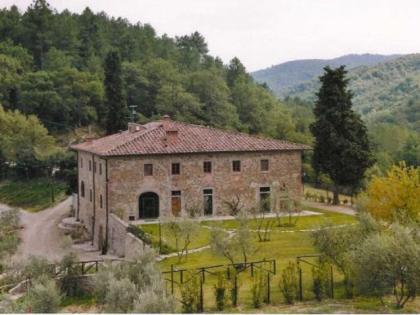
(233, 132)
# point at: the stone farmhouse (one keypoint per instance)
(168, 167)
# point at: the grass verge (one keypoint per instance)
(33, 195)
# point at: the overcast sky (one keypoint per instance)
(267, 32)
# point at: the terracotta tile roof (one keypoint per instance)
(170, 137)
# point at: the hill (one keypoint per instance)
(289, 74)
(386, 92)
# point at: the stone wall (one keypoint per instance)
(122, 243)
(127, 181)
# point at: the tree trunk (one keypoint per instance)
(336, 200)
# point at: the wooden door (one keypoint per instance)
(176, 206)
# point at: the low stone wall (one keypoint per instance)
(122, 243)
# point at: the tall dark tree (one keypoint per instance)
(342, 147)
(117, 112)
(38, 26)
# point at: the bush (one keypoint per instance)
(257, 289)
(219, 291)
(321, 281)
(140, 234)
(120, 297)
(234, 288)
(154, 301)
(289, 283)
(190, 295)
(36, 267)
(70, 284)
(43, 297)
(103, 280)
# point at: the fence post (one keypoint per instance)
(172, 279)
(203, 275)
(235, 287)
(181, 276)
(268, 287)
(201, 297)
(252, 269)
(96, 266)
(83, 268)
(300, 283)
(274, 267)
(332, 282)
(228, 273)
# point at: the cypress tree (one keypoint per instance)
(117, 111)
(341, 147)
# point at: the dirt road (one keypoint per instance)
(40, 235)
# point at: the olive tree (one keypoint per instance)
(389, 263)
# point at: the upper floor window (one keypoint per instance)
(100, 168)
(265, 165)
(90, 165)
(100, 201)
(148, 169)
(176, 169)
(207, 167)
(82, 189)
(90, 195)
(236, 166)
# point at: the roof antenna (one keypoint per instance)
(133, 112)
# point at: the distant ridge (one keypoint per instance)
(280, 78)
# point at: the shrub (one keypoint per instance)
(43, 297)
(321, 281)
(140, 234)
(36, 267)
(154, 301)
(257, 289)
(70, 283)
(289, 283)
(190, 294)
(234, 288)
(321, 199)
(220, 291)
(103, 279)
(120, 297)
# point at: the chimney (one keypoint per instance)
(133, 127)
(171, 132)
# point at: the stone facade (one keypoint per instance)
(115, 184)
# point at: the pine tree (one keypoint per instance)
(342, 147)
(117, 112)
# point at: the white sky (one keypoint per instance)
(262, 33)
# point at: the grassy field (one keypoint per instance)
(285, 245)
(33, 195)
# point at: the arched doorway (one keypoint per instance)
(148, 205)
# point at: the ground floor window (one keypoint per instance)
(208, 201)
(176, 202)
(265, 193)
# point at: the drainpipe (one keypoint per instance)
(78, 187)
(94, 199)
(106, 206)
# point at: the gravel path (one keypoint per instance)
(40, 235)
(332, 208)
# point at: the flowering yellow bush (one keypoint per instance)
(396, 195)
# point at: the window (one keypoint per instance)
(236, 166)
(176, 168)
(100, 168)
(148, 169)
(100, 201)
(176, 202)
(207, 167)
(81, 163)
(90, 195)
(265, 205)
(82, 189)
(208, 201)
(90, 165)
(265, 165)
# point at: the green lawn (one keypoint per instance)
(285, 245)
(33, 195)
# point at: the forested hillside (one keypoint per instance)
(52, 65)
(388, 92)
(280, 78)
